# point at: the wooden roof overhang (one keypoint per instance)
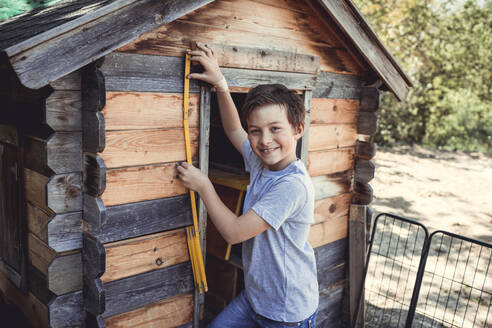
(45, 45)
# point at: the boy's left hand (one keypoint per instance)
(192, 177)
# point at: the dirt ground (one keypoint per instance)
(443, 190)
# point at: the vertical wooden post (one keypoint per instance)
(202, 211)
(305, 138)
(357, 251)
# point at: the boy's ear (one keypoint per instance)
(300, 130)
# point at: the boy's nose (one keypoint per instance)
(266, 138)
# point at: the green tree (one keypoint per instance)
(445, 47)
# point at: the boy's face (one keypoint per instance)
(272, 138)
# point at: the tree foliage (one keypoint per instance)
(445, 46)
(10, 8)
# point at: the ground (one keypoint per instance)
(443, 190)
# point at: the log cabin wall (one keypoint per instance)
(47, 123)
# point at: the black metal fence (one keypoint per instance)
(413, 279)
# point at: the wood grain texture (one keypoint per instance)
(70, 82)
(235, 24)
(331, 254)
(141, 147)
(42, 63)
(328, 231)
(332, 207)
(94, 212)
(94, 296)
(142, 218)
(170, 312)
(356, 259)
(38, 286)
(37, 221)
(365, 150)
(332, 184)
(148, 110)
(364, 170)
(330, 161)
(363, 194)
(141, 183)
(94, 127)
(67, 310)
(64, 231)
(133, 292)
(326, 110)
(330, 136)
(63, 111)
(367, 123)
(370, 99)
(338, 86)
(32, 307)
(39, 254)
(93, 88)
(94, 175)
(142, 254)
(93, 257)
(330, 307)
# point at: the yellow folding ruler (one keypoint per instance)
(192, 232)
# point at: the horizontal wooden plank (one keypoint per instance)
(330, 136)
(330, 161)
(331, 254)
(141, 183)
(142, 254)
(331, 275)
(338, 86)
(170, 312)
(330, 308)
(67, 310)
(71, 82)
(33, 308)
(133, 292)
(141, 147)
(64, 231)
(326, 110)
(38, 286)
(9, 134)
(59, 193)
(332, 184)
(37, 220)
(142, 218)
(135, 72)
(328, 231)
(331, 207)
(148, 110)
(63, 111)
(39, 254)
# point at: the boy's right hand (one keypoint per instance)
(212, 73)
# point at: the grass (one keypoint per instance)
(10, 8)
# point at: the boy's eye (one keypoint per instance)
(254, 131)
(275, 128)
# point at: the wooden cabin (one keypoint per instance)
(92, 216)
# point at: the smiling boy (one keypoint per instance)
(281, 287)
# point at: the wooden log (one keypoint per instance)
(333, 184)
(142, 218)
(38, 286)
(33, 308)
(134, 72)
(367, 123)
(370, 99)
(94, 212)
(364, 170)
(94, 296)
(328, 231)
(141, 147)
(357, 255)
(362, 194)
(332, 136)
(148, 110)
(72, 82)
(331, 207)
(59, 193)
(64, 231)
(59, 153)
(330, 111)
(338, 86)
(93, 257)
(63, 111)
(331, 255)
(67, 310)
(9, 134)
(330, 161)
(94, 129)
(62, 271)
(365, 150)
(302, 153)
(117, 22)
(93, 89)
(143, 254)
(11, 273)
(330, 307)
(94, 175)
(174, 311)
(141, 183)
(133, 292)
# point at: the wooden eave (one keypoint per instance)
(100, 27)
(349, 19)
(56, 52)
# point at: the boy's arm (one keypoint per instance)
(233, 229)
(227, 108)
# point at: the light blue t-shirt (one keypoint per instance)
(279, 264)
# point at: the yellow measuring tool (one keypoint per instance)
(192, 232)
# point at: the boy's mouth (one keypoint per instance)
(268, 150)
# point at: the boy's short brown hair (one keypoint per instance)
(275, 94)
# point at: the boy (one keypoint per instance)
(281, 287)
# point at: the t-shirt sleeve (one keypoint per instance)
(250, 159)
(281, 202)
